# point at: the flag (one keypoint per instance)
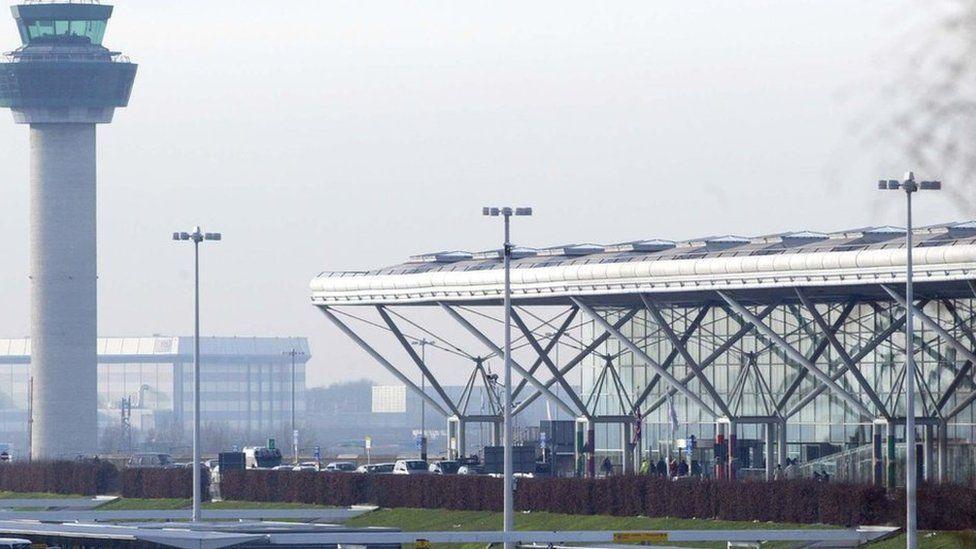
(638, 426)
(672, 417)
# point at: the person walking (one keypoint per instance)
(607, 466)
(682, 468)
(661, 468)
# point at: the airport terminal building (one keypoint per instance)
(766, 348)
(246, 386)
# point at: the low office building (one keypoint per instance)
(145, 388)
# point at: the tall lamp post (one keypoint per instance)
(423, 343)
(294, 430)
(196, 237)
(508, 484)
(909, 186)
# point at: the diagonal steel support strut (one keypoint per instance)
(689, 360)
(515, 365)
(744, 329)
(953, 342)
(416, 359)
(382, 361)
(544, 355)
(578, 358)
(642, 356)
(553, 341)
(796, 355)
(845, 357)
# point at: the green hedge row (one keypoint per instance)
(949, 507)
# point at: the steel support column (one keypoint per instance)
(781, 446)
(943, 451)
(928, 454)
(877, 453)
(891, 465)
(627, 461)
(770, 454)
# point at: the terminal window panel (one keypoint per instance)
(827, 418)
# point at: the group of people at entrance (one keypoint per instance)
(672, 468)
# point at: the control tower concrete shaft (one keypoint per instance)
(62, 82)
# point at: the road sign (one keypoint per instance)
(271, 443)
(318, 453)
(294, 437)
(542, 440)
(369, 442)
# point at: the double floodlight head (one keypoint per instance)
(197, 235)
(909, 185)
(505, 211)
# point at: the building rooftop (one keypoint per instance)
(464, 275)
(180, 346)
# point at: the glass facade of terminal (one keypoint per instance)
(753, 376)
(245, 382)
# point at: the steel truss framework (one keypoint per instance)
(783, 367)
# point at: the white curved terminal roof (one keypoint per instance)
(832, 265)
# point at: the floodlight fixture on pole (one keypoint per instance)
(197, 236)
(508, 484)
(910, 186)
(294, 430)
(423, 343)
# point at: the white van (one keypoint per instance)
(14, 543)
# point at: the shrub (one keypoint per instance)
(799, 501)
(89, 477)
(162, 483)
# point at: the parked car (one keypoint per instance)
(282, 468)
(341, 467)
(305, 467)
(261, 457)
(375, 468)
(470, 470)
(15, 543)
(411, 467)
(446, 467)
(150, 460)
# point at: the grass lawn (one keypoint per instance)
(444, 520)
(130, 504)
(37, 495)
(430, 520)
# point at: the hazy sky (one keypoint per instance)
(343, 135)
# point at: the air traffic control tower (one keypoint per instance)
(62, 82)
